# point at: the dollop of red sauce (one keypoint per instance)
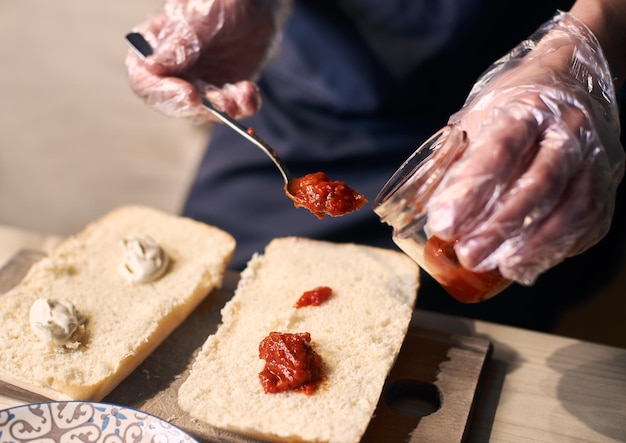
(463, 284)
(314, 297)
(323, 196)
(291, 364)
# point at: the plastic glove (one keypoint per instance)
(211, 47)
(537, 182)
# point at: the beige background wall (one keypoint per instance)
(74, 140)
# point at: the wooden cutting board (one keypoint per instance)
(428, 397)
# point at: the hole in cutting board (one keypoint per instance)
(412, 398)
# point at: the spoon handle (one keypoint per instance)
(141, 46)
(249, 134)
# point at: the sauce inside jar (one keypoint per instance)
(464, 285)
(291, 364)
(314, 297)
(323, 196)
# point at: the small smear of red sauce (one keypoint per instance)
(322, 196)
(314, 297)
(291, 364)
(251, 131)
(464, 285)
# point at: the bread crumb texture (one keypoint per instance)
(124, 321)
(358, 332)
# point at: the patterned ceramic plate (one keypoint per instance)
(76, 421)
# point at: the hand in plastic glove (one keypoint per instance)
(213, 47)
(537, 182)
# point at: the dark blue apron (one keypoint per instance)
(356, 87)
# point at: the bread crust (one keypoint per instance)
(125, 321)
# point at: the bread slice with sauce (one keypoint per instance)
(357, 332)
(125, 321)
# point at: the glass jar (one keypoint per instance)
(403, 204)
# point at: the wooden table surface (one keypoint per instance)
(537, 387)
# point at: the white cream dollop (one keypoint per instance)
(144, 260)
(54, 320)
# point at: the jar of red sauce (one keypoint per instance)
(402, 204)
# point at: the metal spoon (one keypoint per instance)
(139, 44)
(314, 192)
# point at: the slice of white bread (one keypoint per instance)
(357, 332)
(125, 322)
